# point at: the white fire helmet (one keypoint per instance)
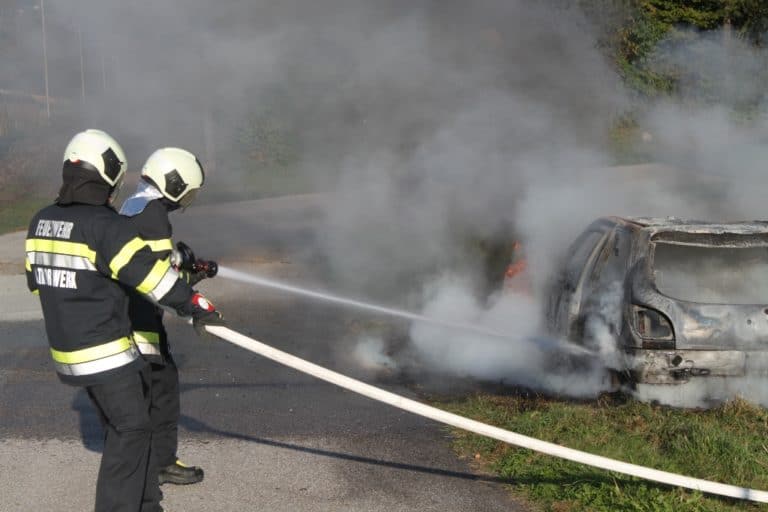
(98, 151)
(176, 173)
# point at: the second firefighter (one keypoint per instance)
(170, 180)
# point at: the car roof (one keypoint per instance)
(677, 225)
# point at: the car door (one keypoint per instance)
(603, 283)
(565, 296)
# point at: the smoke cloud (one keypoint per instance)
(526, 359)
(427, 126)
(524, 154)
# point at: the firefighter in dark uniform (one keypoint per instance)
(78, 252)
(170, 180)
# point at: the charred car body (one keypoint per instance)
(680, 300)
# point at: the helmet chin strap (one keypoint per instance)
(188, 198)
(115, 191)
(171, 206)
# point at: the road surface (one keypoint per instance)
(268, 437)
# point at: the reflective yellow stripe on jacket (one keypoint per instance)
(78, 256)
(159, 281)
(163, 244)
(148, 342)
(160, 278)
(97, 359)
(124, 256)
(155, 275)
(59, 253)
(60, 247)
(131, 248)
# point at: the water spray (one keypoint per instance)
(541, 342)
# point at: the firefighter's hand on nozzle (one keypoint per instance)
(192, 278)
(183, 258)
(204, 313)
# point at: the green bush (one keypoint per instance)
(640, 35)
(751, 18)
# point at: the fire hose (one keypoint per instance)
(454, 420)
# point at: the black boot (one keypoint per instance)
(179, 474)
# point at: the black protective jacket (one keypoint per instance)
(77, 257)
(153, 225)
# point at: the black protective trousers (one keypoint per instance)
(127, 480)
(165, 411)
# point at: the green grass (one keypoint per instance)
(276, 181)
(727, 444)
(15, 214)
(260, 183)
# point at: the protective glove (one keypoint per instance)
(183, 258)
(192, 269)
(192, 278)
(204, 313)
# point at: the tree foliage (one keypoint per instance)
(751, 18)
(639, 34)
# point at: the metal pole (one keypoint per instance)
(113, 72)
(45, 62)
(82, 62)
(103, 74)
(209, 142)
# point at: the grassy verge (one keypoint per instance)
(259, 184)
(15, 214)
(727, 444)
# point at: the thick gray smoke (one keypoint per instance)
(497, 109)
(524, 360)
(429, 126)
(526, 148)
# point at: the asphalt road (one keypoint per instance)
(268, 437)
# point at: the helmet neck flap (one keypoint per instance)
(81, 184)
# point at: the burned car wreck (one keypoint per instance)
(679, 300)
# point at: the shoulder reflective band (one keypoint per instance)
(38, 245)
(124, 256)
(148, 342)
(160, 245)
(95, 359)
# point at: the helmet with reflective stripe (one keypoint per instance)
(97, 151)
(176, 173)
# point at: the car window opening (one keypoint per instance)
(712, 275)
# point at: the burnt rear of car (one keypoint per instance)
(699, 304)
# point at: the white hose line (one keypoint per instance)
(461, 422)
